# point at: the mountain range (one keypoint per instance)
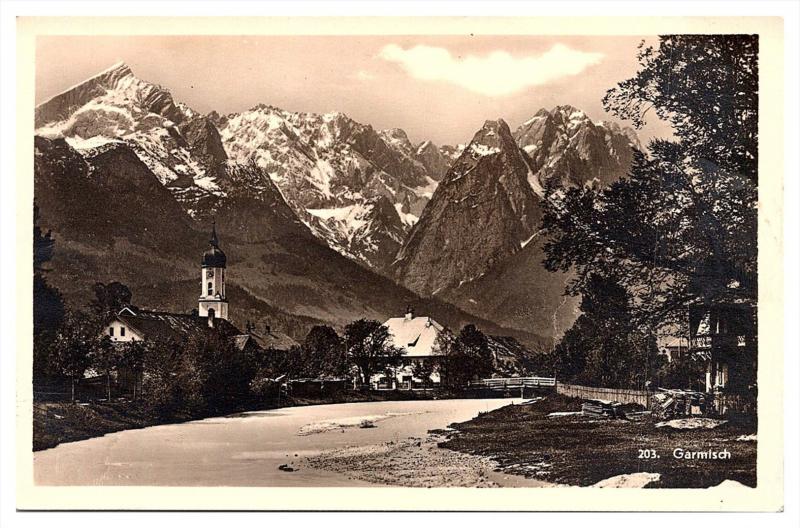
(325, 219)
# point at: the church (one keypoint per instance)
(133, 324)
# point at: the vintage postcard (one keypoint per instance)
(473, 263)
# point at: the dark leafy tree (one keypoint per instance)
(110, 298)
(369, 346)
(106, 358)
(48, 306)
(71, 351)
(224, 372)
(170, 383)
(604, 347)
(685, 372)
(682, 227)
(464, 357)
(132, 357)
(324, 352)
(476, 347)
(423, 370)
(706, 86)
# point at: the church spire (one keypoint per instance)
(214, 240)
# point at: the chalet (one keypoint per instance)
(417, 336)
(723, 334)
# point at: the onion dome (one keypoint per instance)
(214, 257)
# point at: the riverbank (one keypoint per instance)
(257, 448)
(416, 462)
(55, 423)
(548, 439)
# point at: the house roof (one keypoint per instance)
(273, 340)
(416, 335)
(165, 325)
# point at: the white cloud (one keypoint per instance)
(495, 74)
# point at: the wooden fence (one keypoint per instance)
(502, 384)
(601, 393)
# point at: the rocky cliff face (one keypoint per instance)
(478, 244)
(117, 87)
(178, 145)
(331, 169)
(204, 142)
(435, 160)
(567, 148)
(479, 215)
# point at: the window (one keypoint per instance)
(111, 331)
(210, 288)
(122, 331)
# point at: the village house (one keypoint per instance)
(673, 347)
(417, 337)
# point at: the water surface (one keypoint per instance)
(246, 449)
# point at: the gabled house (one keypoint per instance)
(132, 324)
(417, 337)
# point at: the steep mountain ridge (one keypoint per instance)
(328, 165)
(480, 213)
(319, 162)
(181, 147)
(478, 244)
(567, 148)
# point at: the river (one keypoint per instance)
(247, 449)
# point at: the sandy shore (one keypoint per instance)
(416, 462)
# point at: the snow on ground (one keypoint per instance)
(533, 180)
(630, 480)
(533, 119)
(692, 423)
(483, 150)
(427, 189)
(78, 143)
(346, 422)
(747, 438)
(528, 241)
(345, 220)
(729, 484)
(407, 218)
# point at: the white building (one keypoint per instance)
(417, 336)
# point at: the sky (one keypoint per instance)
(438, 88)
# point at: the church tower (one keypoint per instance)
(212, 275)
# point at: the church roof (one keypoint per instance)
(416, 335)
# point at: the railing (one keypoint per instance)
(501, 384)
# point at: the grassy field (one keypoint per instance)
(581, 450)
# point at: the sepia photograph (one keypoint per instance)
(425, 260)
